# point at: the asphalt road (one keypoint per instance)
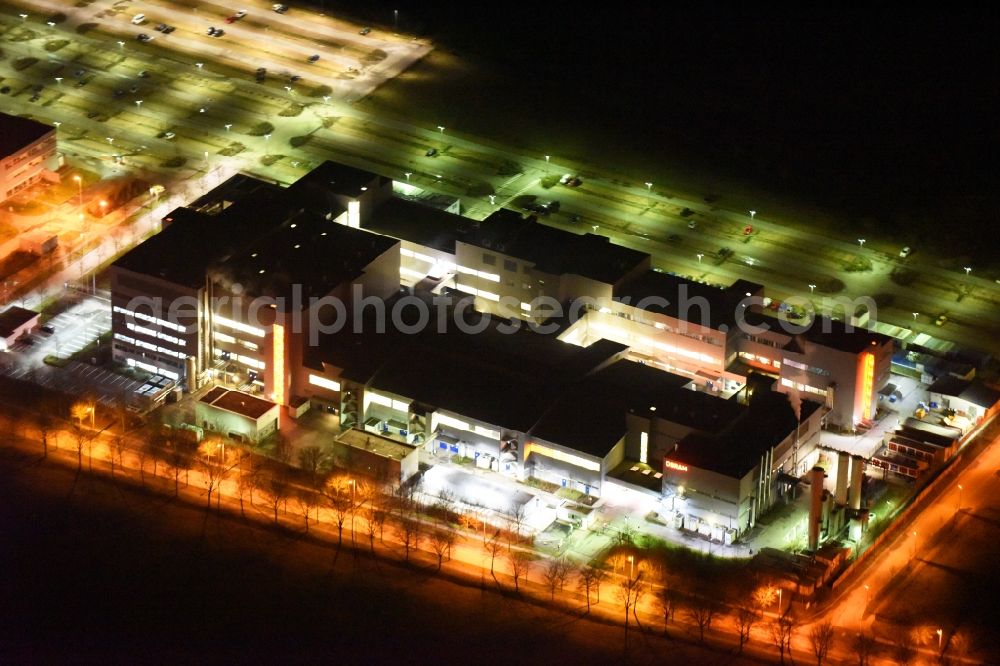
(197, 104)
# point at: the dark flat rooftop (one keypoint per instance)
(420, 224)
(13, 317)
(823, 331)
(243, 404)
(555, 251)
(306, 250)
(686, 300)
(332, 177)
(738, 449)
(17, 132)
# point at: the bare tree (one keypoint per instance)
(441, 541)
(701, 611)
(307, 501)
(80, 438)
(46, 424)
(666, 599)
(552, 572)
(378, 517)
(820, 637)
(782, 629)
(903, 651)
(278, 490)
(494, 546)
(629, 592)
(957, 646)
(142, 452)
(118, 446)
(520, 563)
(516, 515)
(590, 580)
(341, 509)
(746, 617)
(371, 527)
(246, 481)
(863, 646)
(312, 459)
(410, 535)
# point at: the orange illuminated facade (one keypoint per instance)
(867, 383)
(278, 363)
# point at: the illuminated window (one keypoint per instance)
(644, 447)
(278, 363)
(556, 454)
(323, 382)
(486, 432)
(444, 419)
(239, 326)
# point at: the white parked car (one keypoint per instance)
(138, 19)
(905, 252)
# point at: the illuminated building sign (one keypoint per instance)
(867, 382)
(278, 364)
(670, 464)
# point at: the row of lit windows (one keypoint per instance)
(147, 345)
(808, 368)
(754, 358)
(385, 401)
(556, 454)
(156, 370)
(223, 337)
(323, 382)
(482, 293)
(239, 326)
(492, 277)
(154, 334)
(145, 317)
(788, 383)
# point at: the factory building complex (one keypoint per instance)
(524, 349)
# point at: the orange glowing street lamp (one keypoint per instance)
(79, 187)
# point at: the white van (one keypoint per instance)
(138, 19)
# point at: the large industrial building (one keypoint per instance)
(576, 364)
(27, 153)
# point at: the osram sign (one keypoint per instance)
(670, 464)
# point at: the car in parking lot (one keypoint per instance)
(905, 252)
(35, 97)
(143, 37)
(47, 328)
(294, 77)
(569, 180)
(165, 135)
(365, 30)
(431, 152)
(118, 93)
(138, 19)
(143, 74)
(313, 58)
(281, 9)
(942, 319)
(692, 224)
(215, 32)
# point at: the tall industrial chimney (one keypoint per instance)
(857, 475)
(815, 505)
(840, 496)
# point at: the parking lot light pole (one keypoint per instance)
(861, 242)
(812, 288)
(649, 186)
(752, 214)
(699, 255)
(968, 269)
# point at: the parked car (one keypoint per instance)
(431, 152)
(143, 37)
(692, 224)
(160, 27)
(143, 74)
(47, 329)
(569, 180)
(942, 319)
(365, 30)
(241, 13)
(313, 58)
(138, 19)
(281, 9)
(905, 252)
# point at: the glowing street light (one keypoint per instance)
(408, 174)
(699, 255)
(138, 103)
(914, 543)
(59, 80)
(940, 634)
(441, 128)
(812, 288)
(861, 242)
(752, 213)
(228, 126)
(960, 497)
(631, 566)
(199, 65)
(649, 186)
(110, 139)
(326, 99)
(493, 199)
(968, 269)
(24, 17)
(867, 595)
(914, 315)
(288, 88)
(267, 137)
(121, 45)
(56, 123)
(79, 185)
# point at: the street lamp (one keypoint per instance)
(631, 566)
(59, 80)
(812, 288)
(288, 88)
(326, 99)
(960, 497)
(110, 139)
(441, 128)
(699, 255)
(267, 137)
(752, 213)
(968, 269)
(940, 634)
(493, 199)
(79, 186)
(228, 126)
(199, 65)
(121, 45)
(649, 186)
(104, 206)
(914, 543)
(24, 17)
(546, 164)
(138, 103)
(861, 242)
(395, 19)
(408, 174)
(56, 123)
(915, 315)
(867, 595)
